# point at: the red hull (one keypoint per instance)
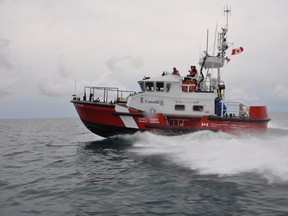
(112, 119)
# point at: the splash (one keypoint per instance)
(279, 121)
(221, 154)
(276, 125)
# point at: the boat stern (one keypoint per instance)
(258, 112)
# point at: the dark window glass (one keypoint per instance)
(179, 107)
(142, 87)
(149, 86)
(168, 85)
(159, 86)
(198, 108)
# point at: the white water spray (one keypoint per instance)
(221, 154)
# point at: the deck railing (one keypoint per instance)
(236, 109)
(106, 94)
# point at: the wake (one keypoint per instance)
(220, 153)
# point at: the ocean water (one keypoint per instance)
(57, 167)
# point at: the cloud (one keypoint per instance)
(105, 43)
(60, 82)
(281, 91)
(57, 83)
(53, 87)
(7, 86)
(241, 94)
(125, 70)
(62, 68)
(5, 61)
(9, 78)
(124, 63)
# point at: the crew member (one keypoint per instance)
(175, 72)
(193, 71)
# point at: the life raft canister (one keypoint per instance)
(190, 88)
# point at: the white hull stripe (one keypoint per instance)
(128, 121)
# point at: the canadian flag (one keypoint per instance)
(237, 51)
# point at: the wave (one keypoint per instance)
(279, 121)
(276, 126)
(220, 153)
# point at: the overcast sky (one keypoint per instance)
(45, 45)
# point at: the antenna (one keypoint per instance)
(74, 94)
(207, 41)
(75, 86)
(215, 36)
(227, 10)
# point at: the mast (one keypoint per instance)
(222, 40)
(226, 12)
(216, 61)
(207, 41)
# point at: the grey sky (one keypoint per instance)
(46, 45)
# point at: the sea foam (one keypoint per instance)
(220, 153)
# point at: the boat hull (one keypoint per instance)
(107, 119)
(105, 130)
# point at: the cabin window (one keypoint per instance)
(159, 86)
(179, 107)
(142, 86)
(198, 108)
(168, 85)
(149, 86)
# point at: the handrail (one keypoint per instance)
(120, 96)
(234, 109)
